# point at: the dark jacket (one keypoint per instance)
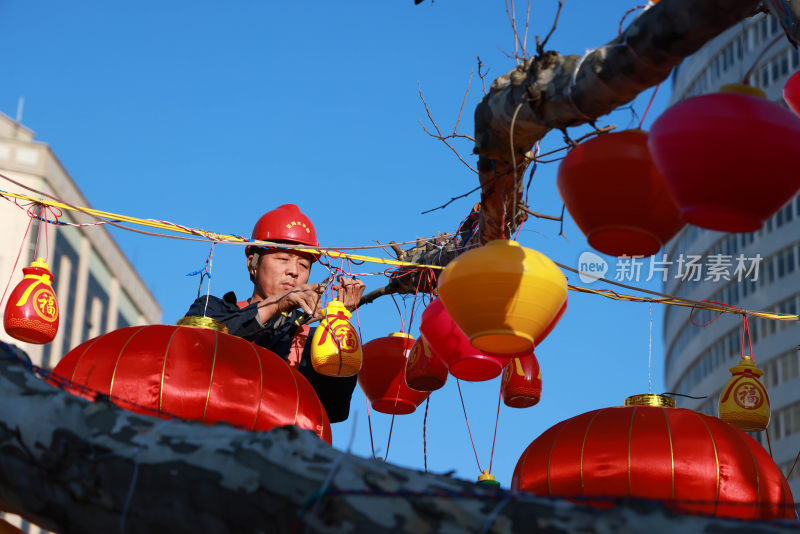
(276, 335)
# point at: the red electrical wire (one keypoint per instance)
(468, 428)
(496, 421)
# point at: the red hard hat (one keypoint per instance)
(285, 224)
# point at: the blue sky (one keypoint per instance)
(208, 114)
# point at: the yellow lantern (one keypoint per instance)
(335, 347)
(744, 402)
(503, 296)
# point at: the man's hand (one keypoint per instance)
(305, 296)
(349, 291)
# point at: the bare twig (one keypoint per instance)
(540, 45)
(508, 55)
(439, 135)
(598, 131)
(373, 295)
(517, 41)
(461, 109)
(527, 210)
(482, 75)
(527, 22)
(397, 250)
(550, 160)
(452, 199)
(568, 139)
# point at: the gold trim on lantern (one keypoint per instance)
(630, 437)
(716, 459)
(116, 363)
(583, 445)
(211, 380)
(486, 476)
(202, 322)
(650, 399)
(260, 385)
(742, 89)
(163, 372)
(671, 455)
(75, 369)
(550, 457)
(401, 334)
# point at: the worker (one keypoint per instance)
(283, 301)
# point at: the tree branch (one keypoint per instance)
(74, 466)
(565, 91)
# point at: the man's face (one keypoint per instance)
(278, 271)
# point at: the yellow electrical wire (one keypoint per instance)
(688, 304)
(212, 236)
(239, 240)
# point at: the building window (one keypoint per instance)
(95, 296)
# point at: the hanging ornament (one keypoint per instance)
(614, 193)
(791, 92)
(382, 376)
(193, 371)
(31, 313)
(689, 461)
(522, 382)
(425, 371)
(487, 479)
(744, 402)
(335, 347)
(449, 343)
(728, 159)
(503, 296)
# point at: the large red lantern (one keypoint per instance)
(614, 193)
(693, 463)
(729, 160)
(449, 343)
(32, 310)
(791, 92)
(382, 375)
(425, 371)
(522, 382)
(199, 374)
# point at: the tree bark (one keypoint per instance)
(76, 466)
(556, 92)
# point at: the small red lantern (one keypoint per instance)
(791, 92)
(522, 382)
(382, 375)
(425, 371)
(729, 160)
(693, 463)
(616, 196)
(32, 310)
(449, 343)
(199, 374)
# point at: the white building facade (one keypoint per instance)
(97, 288)
(698, 358)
